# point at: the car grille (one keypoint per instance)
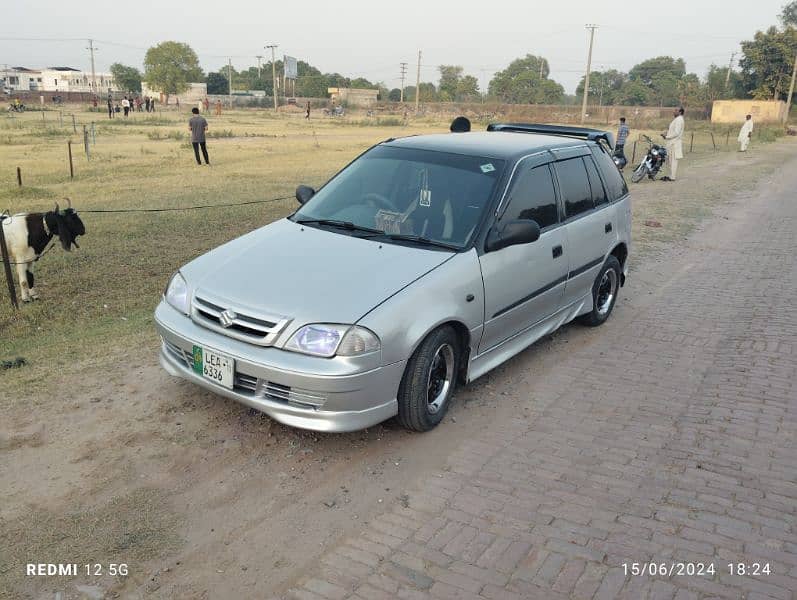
(255, 329)
(258, 388)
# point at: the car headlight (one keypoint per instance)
(176, 293)
(324, 339)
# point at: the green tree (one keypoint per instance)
(170, 66)
(468, 89)
(449, 79)
(634, 93)
(394, 95)
(789, 14)
(715, 84)
(768, 61)
(217, 84)
(521, 82)
(604, 86)
(648, 69)
(127, 78)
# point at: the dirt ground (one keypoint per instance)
(201, 497)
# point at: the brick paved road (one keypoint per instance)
(668, 435)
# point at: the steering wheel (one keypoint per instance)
(379, 201)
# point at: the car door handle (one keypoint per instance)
(556, 251)
(608, 227)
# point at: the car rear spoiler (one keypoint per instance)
(564, 130)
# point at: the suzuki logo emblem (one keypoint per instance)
(226, 318)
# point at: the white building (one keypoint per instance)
(67, 79)
(21, 79)
(195, 93)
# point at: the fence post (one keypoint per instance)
(19, 177)
(86, 142)
(713, 143)
(727, 138)
(61, 118)
(691, 142)
(71, 169)
(633, 154)
(74, 125)
(93, 134)
(12, 292)
(42, 117)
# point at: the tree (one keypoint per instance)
(170, 66)
(789, 14)
(449, 79)
(604, 86)
(647, 69)
(126, 78)
(394, 95)
(767, 63)
(521, 82)
(217, 84)
(468, 89)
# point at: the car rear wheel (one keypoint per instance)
(429, 381)
(604, 293)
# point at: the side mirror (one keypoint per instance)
(304, 193)
(521, 231)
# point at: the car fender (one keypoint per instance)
(453, 292)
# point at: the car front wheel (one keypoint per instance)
(429, 381)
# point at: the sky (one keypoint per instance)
(370, 38)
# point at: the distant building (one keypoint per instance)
(353, 96)
(734, 111)
(67, 79)
(195, 93)
(21, 79)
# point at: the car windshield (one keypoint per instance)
(410, 195)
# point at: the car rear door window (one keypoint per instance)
(615, 184)
(574, 186)
(533, 197)
(598, 193)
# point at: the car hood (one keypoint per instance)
(307, 275)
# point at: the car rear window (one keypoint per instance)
(615, 184)
(574, 185)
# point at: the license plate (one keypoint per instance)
(219, 368)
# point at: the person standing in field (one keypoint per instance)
(745, 133)
(622, 136)
(206, 104)
(218, 108)
(307, 111)
(152, 105)
(197, 125)
(110, 107)
(146, 103)
(675, 150)
(125, 105)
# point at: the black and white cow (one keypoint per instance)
(27, 235)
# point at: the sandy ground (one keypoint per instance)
(201, 497)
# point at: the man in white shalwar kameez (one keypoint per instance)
(745, 133)
(675, 150)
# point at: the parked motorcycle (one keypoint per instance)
(16, 107)
(651, 163)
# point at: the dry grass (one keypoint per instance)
(130, 529)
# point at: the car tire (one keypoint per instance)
(429, 381)
(604, 293)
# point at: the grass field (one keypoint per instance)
(98, 301)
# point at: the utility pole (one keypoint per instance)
(273, 48)
(229, 79)
(403, 67)
(592, 29)
(91, 49)
(791, 91)
(259, 58)
(418, 83)
(728, 74)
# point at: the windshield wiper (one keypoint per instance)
(420, 239)
(342, 224)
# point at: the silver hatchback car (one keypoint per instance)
(425, 262)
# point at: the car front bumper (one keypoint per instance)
(321, 394)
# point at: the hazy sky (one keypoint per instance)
(370, 39)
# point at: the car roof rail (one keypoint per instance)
(584, 133)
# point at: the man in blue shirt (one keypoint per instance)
(622, 136)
